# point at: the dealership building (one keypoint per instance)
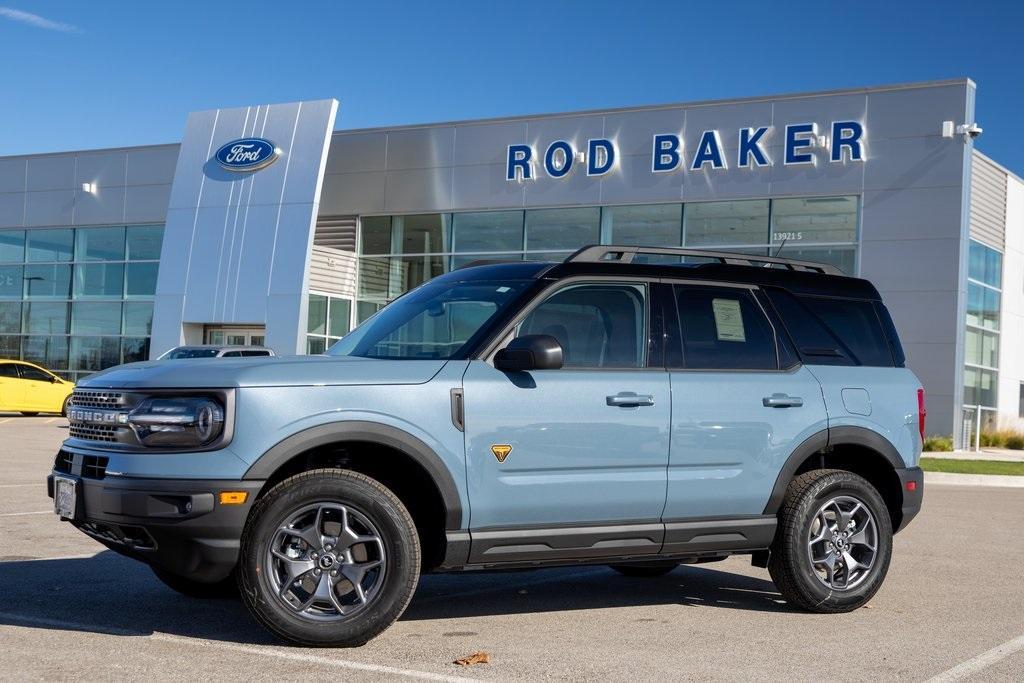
(267, 225)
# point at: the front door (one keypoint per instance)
(583, 448)
(12, 387)
(736, 414)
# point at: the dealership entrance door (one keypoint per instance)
(235, 336)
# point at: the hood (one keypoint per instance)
(273, 371)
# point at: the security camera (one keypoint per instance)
(970, 130)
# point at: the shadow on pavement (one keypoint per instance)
(110, 594)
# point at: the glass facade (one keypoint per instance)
(981, 342)
(328, 320)
(398, 253)
(78, 300)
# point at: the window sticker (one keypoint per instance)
(728, 320)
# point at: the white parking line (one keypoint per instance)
(58, 558)
(972, 666)
(14, 486)
(264, 651)
(20, 514)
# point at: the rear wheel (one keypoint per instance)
(329, 557)
(834, 542)
(64, 406)
(227, 588)
(651, 570)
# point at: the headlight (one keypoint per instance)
(179, 422)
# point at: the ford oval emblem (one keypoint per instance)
(247, 154)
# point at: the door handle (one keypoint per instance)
(782, 401)
(629, 399)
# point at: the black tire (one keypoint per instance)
(790, 564)
(64, 406)
(644, 570)
(394, 584)
(227, 588)
(29, 413)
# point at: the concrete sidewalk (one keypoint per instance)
(956, 479)
(1000, 454)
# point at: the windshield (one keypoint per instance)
(435, 321)
(189, 353)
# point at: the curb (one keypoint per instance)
(952, 479)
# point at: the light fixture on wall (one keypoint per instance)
(89, 187)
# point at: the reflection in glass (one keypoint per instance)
(655, 225)
(99, 244)
(96, 317)
(49, 352)
(10, 317)
(338, 323)
(375, 235)
(12, 246)
(144, 242)
(138, 318)
(316, 319)
(48, 281)
(422, 234)
(814, 219)
(99, 280)
(717, 224)
(141, 279)
(46, 317)
(488, 232)
(95, 353)
(51, 245)
(134, 349)
(12, 282)
(556, 229)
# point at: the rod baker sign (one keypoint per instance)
(801, 144)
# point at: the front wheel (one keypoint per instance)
(329, 557)
(834, 542)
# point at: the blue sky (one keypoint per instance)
(104, 74)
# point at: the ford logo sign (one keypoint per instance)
(247, 154)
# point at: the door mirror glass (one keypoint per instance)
(530, 352)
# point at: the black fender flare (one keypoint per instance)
(372, 432)
(833, 436)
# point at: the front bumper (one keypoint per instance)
(912, 486)
(176, 525)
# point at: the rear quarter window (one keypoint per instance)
(831, 331)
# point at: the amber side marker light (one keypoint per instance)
(233, 497)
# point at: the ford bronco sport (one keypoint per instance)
(635, 407)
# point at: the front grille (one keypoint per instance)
(84, 398)
(94, 466)
(93, 432)
(64, 462)
(86, 466)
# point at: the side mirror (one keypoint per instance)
(530, 352)
(54, 379)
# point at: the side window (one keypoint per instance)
(255, 353)
(8, 371)
(815, 343)
(232, 354)
(722, 328)
(34, 374)
(598, 325)
(857, 325)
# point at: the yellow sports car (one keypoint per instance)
(30, 390)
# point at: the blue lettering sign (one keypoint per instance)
(709, 149)
(666, 153)
(519, 164)
(551, 164)
(794, 144)
(600, 156)
(846, 134)
(750, 146)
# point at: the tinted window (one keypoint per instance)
(232, 354)
(815, 343)
(28, 372)
(855, 323)
(8, 370)
(185, 352)
(723, 328)
(598, 326)
(255, 353)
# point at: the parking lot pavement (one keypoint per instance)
(954, 597)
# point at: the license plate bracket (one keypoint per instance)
(65, 497)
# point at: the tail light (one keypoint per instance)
(921, 412)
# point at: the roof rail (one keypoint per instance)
(610, 253)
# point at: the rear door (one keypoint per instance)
(12, 387)
(741, 403)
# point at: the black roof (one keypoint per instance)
(795, 281)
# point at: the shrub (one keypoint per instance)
(934, 444)
(1015, 441)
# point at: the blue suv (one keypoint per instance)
(634, 407)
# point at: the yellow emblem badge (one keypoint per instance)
(501, 451)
